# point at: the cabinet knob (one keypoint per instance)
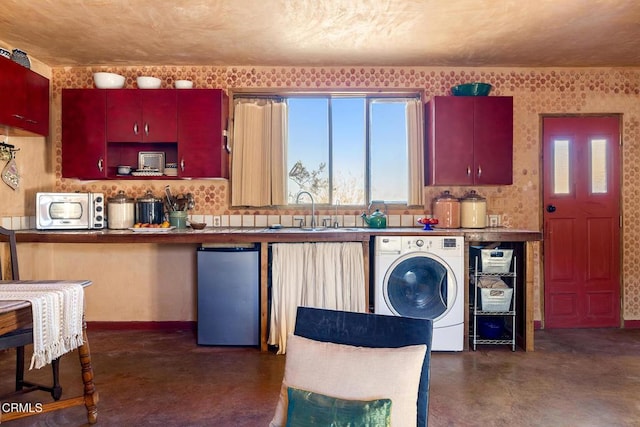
(182, 164)
(479, 171)
(146, 129)
(135, 128)
(468, 170)
(100, 168)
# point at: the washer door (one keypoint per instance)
(420, 285)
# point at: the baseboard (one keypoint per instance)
(537, 324)
(632, 324)
(142, 326)
(628, 324)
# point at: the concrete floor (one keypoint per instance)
(574, 378)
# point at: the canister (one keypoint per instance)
(473, 210)
(120, 211)
(149, 209)
(446, 209)
(178, 219)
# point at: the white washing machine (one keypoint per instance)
(423, 277)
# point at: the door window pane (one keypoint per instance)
(598, 149)
(561, 166)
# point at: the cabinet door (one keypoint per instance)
(493, 143)
(84, 133)
(141, 115)
(202, 121)
(159, 115)
(449, 153)
(11, 85)
(37, 103)
(469, 141)
(124, 115)
(25, 98)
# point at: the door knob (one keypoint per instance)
(551, 208)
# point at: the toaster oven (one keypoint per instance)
(69, 211)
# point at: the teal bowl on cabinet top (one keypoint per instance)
(472, 89)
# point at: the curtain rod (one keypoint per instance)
(282, 94)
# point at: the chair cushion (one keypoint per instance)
(353, 373)
(313, 409)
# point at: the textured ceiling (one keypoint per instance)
(465, 33)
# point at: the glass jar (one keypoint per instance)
(120, 211)
(473, 210)
(446, 209)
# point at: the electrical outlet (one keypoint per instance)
(217, 222)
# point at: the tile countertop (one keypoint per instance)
(261, 234)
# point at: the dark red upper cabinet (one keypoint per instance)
(141, 115)
(202, 122)
(25, 100)
(187, 125)
(469, 140)
(84, 145)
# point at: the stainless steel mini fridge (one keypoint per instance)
(228, 295)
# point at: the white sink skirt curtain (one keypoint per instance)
(323, 275)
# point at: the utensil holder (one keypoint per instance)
(178, 219)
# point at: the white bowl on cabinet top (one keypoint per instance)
(183, 84)
(147, 82)
(108, 80)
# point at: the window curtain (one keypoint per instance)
(415, 136)
(259, 156)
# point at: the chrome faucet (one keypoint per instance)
(313, 206)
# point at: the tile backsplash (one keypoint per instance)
(258, 221)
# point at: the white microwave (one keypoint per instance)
(69, 211)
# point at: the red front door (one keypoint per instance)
(581, 221)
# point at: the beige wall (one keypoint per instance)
(535, 92)
(130, 282)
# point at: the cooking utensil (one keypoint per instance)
(184, 202)
(149, 209)
(375, 220)
(170, 201)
